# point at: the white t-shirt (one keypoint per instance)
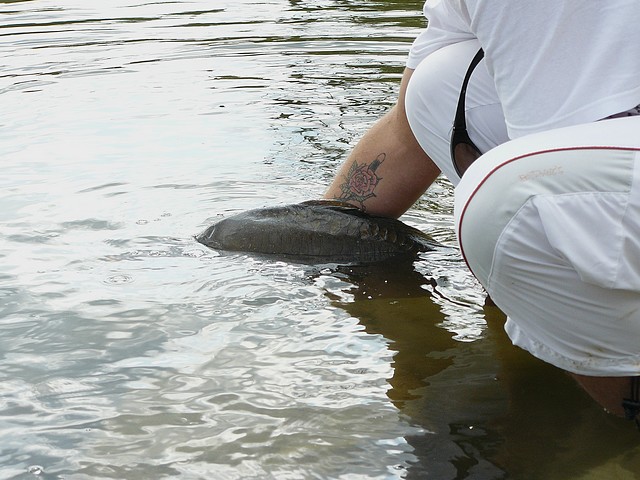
(555, 63)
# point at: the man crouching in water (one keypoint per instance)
(495, 93)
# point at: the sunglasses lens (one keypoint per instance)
(464, 155)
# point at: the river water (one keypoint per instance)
(129, 351)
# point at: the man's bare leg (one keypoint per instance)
(609, 392)
(387, 170)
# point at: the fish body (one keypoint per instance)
(317, 232)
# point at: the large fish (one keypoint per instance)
(317, 231)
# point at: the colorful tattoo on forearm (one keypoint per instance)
(361, 181)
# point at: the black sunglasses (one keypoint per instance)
(463, 150)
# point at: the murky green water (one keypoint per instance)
(128, 351)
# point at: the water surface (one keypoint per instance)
(127, 350)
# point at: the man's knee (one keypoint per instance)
(432, 97)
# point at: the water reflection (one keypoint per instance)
(488, 410)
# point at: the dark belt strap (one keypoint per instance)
(460, 121)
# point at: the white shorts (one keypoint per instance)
(550, 225)
(432, 97)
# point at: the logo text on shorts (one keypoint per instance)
(545, 172)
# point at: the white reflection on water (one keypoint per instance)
(129, 351)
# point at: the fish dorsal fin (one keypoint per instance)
(336, 205)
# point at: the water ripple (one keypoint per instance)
(128, 350)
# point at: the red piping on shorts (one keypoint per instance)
(475, 190)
